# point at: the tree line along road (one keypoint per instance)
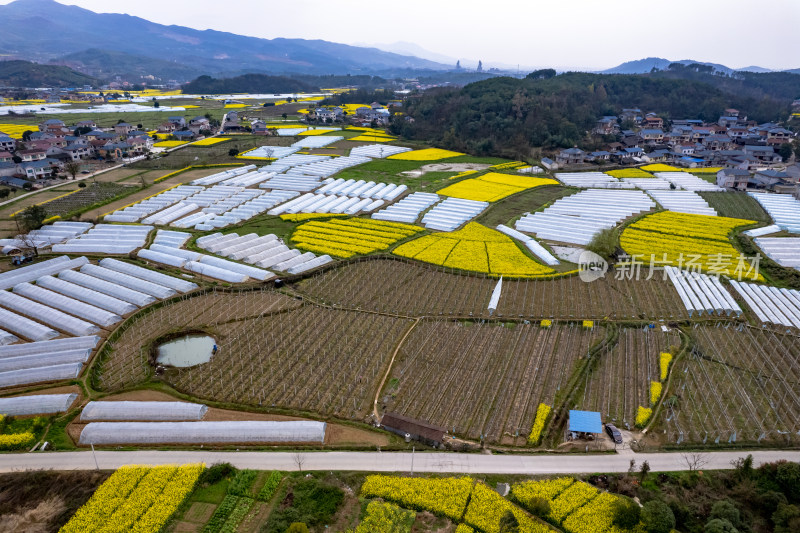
(432, 462)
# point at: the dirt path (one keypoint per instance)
(389, 370)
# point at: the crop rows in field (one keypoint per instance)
(410, 289)
(484, 380)
(129, 350)
(736, 205)
(312, 359)
(621, 381)
(739, 383)
(95, 193)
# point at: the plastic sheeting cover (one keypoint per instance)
(202, 432)
(57, 345)
(129, 410)
(148, 275)
(38, 375)
(37, 404)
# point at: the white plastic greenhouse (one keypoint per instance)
(770, 304)
(97, 299)
(309, 265)
(317, 141)
(452, 213)
(25, 327)
(131, 410)
(107, 239)
(689, 182)
(22, 362)
(202, 432)
(7, 338)
(37, 404)
(249, 271)
(46, 315)
(408, 209)
(701, 293)
(683, 202)
(131, 282)
(783, 208)
(537, 249)
(783, 250)
(177, 284)
(275, 151)
(378, 150)
(211, 271)
(589, 179)
(760, 232)
(111, 289)
(578, 218)
(51, 346)
(158, 257)
(175, 239)
(41, 374)
(45, 268)
(69, 305)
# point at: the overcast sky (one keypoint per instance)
(591, 34)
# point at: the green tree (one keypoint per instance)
(604, 243)
(644, 471)
(785, 151)
(787, 519)
(539, 506)
(233, 152)
(284, 115)
(32, 218)
(788, 477)
(72, 168)
(718, 525)
(297, 527)
(4, 193)
(156, 104)
(508, 523)
(657, 517)
(627, 513)
(26, 135)
(726, 510)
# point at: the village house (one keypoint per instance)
(180, 122)
(123, 128)
(733, 178)
(7, 143)
(571, 156)
(167, 127)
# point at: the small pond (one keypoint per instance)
(187, 351)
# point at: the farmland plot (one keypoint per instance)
(484, 380)
(311, 359)
(396, 286)
(94, 194)
(738, 384)
(621, 381)
(129, 349)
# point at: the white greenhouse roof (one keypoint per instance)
(38, 404)
(131, 410)
(202, 432)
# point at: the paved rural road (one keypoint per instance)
(384, 462)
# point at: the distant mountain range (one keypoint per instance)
(26, 74)
(45, 30)
(643, 66)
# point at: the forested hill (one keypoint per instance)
(508, 116)
(248, 83)
(27, 74)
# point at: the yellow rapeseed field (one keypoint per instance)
(475, 248)
(426, 154)
(493, 186)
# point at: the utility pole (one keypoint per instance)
(95, 458)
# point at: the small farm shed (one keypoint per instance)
(416, 429)
(585, 422)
